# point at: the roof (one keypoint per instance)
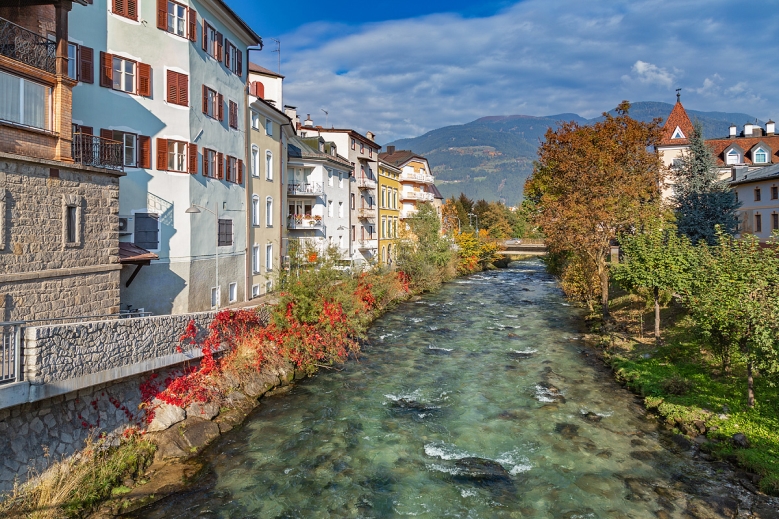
(436, 192)
(678, 118)
(253, 35)
(353, 133)
(719, 146)
(756, 175)
(400, 157)
(297, 148)
(253, 67)
(272, 107)
(131, 253)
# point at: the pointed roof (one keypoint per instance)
(678, 118)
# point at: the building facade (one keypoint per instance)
(416, 181)
(758, 191)
(389, 211)
(167, 80)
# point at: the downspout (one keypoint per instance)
(247, 178)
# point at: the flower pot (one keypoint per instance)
(312, 257)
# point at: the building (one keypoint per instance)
(167, 79)
(754, 147)
(758, 191)
(363, 153)
(266, 189)
(318, 196)
(416, 181)
(59, 246)
(389, 211)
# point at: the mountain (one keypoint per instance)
(491, 157)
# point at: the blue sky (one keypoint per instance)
(400, 69)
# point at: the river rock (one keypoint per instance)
(589, 416)
(520, 355)
(740, 440)
(204, 410)
(199, 432)
(481, 469)
(407, 404)
(165, 415)
(712, 507)
(568, 430)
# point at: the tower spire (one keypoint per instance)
(678, 95)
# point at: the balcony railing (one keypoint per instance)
(91, 150)
(304, 222)
(367, 244)
(408, 213)
(308, 189)
(366, 183)
(417, 177)
(366, 212)
(25, 46)
(421, 196)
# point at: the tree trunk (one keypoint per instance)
(657, 314)
(603, 274)
(750, 385)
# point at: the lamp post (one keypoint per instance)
(473, 215)
(195, 209)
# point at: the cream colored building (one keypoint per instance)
(416, 180)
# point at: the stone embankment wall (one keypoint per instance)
(81, 379)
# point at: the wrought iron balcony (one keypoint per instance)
(307, 189)
(91, 150)
(27, 47)
(299, 221)
(366, 183)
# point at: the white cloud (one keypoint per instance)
(402, 78)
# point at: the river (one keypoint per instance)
(476, 401)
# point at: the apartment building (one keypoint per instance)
(389, 211)
(416, 181)
(167, 79)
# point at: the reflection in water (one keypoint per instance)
(472, 402)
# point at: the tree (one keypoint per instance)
(702, 200)
(423, 253)
(657, 260)
(592, 183)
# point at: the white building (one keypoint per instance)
(758, 191)
(416, 180)
(167, 78)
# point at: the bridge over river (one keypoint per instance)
(526, 247)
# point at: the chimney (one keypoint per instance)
(737, 172)
(292, 113)
(748, 130)
(733, 131)
(308, 122)
(371, 136)
(390, 150)
(770, 127)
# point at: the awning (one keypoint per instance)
(131, 254)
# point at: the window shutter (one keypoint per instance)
(240, 171)
(119, 7)
(106, 70)
(219, 166)
(86, 130)
(192, 20)
(227, 53)
(173, 87)
(162, 14)
(132, 9)
(205, 162)
(144, 151)
(205, 36)
(106, 134)
(220, 109)
(183, 89)
(239, 62)
(205, 99)
(144, 79)
(192, 158)
(162, 154)
(259, 89)
(219, 44)
(86, 67)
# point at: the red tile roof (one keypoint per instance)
(746, 143)
(677, 118)
(253, 67)
(399, 157)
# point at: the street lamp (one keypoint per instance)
(474, 215)
(195, 209)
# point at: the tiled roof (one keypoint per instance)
(131, 253)
(746, 143)
(253, 67)
(765, 173)
(298, 148)
(399, 157)
(436, 193)
(678, 118)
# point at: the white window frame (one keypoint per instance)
(73, 61)
(255, 290)
(232, 292)
(269, 211)
(255, 120)
(172, 17)
(120, 76)
(268, 127)
(216, 297)
(268, 257)
(340, 209)
(47, 108)
(733, 157)
(765, 156)
(212, 103)
(330, 208)
(175, 153)
(268, 165)
(255, 210)
(255, 161)
(330, 176)
(256, 259)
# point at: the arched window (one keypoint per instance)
(268, 165)
(383, 255)
(269, 212)
(733, 157)
(761, 156)
(255, 210)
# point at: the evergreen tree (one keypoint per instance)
(702, 200)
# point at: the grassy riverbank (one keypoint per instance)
(683, 383)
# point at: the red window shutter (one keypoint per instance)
(205, 99)
(173, 87)
(231, 121)
(86, 130)
(205, 36)
(220, 109)
(192, 158)
(205, 162)
(259, 89)
(240, 171)
(86, 65)
(120, 7)
(144, 152)
(192, 21)
(106, 70)
(219, 166)
(183, 89)
(227, 53)
(106, 134)
(162, 14)
(239, 62)
(132, 9)
(219, 44)
(162, 154)
(144, 79)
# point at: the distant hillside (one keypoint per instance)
(491, 157)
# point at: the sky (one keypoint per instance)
(403, 68)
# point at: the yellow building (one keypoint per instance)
(389, 211)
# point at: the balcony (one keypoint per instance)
(366, 183)
(417, 177)
(25, 46)
(306, 189)
(366, 212)
(408, 213)
(419, 196)
(91, 150)
(298, 222)
(367, 244)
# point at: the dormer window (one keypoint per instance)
(733, 157)
(760, 156)
(678, 134)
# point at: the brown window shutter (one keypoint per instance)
(162, 14)
(192, 158)
(144, 79)
(220, 166)
(106, 70)
(227, 53)
(240, 171)
(220, 109)
(162, 154)
(219, 45)
(205, 162)
(132, 9)
(120, 7)
(173, 87)
(86, 66)
(106, 134)
(86, 130)
(183, 89)
(259, 89)
(144, 152)
(239, 62)
(205, 36)
(192, 21)
(205, 99)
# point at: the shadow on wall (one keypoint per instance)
(152, 288)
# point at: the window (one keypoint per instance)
(72, 60)
(71, 223)
(212, 41)
(268, 165)
(178, 88)
(269, 286)
(225, 232)
(256, 288)
(329, 208)
(233, 115)
(209, 163)
(340, 179)
(125, 8)
(383, 196)
(354, 233)
(146, 234)
(124, 75)
(774, 192)
(177, 156)
(177, 19)
(128, 140)
(330, 176)
(758, 223)
(268, 127)
(352, 202)
(362, 148)
(269, 212)
(757, 194)
(733, 157)
(255, 120)
(215, 297)
(231, 174)
(678, 134)
(383, 227)
(213, 103)
(25, 102)
(233, 59)
(774, 221)
(370, 152)
(269, 257)
(340, 209)
(353, 144)
(255, 161)
(761, 156)
(256, 259)
(255, 210)
(232, 290)
(676, 163)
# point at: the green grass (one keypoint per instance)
(685, 384)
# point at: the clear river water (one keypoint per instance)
(476, 401)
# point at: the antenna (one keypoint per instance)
(277, 50)
(327, 114)
(678, 94)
